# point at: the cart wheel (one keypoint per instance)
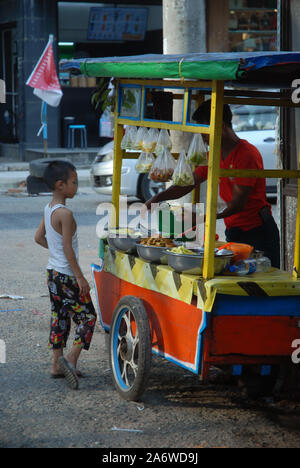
(130, 348)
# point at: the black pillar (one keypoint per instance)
(39, 19)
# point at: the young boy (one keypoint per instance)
(68, 288)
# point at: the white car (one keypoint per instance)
(133, 184)
(255, 124)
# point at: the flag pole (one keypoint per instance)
(44, 115)
(46, 86)
(45, 129)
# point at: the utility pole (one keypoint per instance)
(184, 31)
(184, 26)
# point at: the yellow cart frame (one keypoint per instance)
(214, 130)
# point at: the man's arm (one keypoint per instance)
(240, 194)
(67, 225)
(174, 192)
(40, 235)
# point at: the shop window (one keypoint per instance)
(252, 25)
(130, 102)
(159, 104)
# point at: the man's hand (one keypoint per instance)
(155, 199)
(240, 194)
(173, 193)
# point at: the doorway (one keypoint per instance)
(9, 73)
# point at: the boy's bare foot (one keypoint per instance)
(56, 371)
(69, 372)
(73, 356)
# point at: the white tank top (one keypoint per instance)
(57, 259)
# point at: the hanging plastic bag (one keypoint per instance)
(124, 141)
(141, 135)
(197, 153)
(163, 167)
(163, 141)
(150, 140)
(183, 174)
(129, 138)
(144, 162)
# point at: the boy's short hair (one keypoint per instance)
(202, 114)
(57, 170)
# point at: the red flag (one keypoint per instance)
(44, 79)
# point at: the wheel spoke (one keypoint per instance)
(118, 348)
(134, 367)
(124, 373)
(136, 338)
(126, 318)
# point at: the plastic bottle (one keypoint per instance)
(251, 265)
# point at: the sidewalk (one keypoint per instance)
(14, 174)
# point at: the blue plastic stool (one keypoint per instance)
(71, 137)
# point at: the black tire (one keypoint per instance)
(147, 188)
(37, 167)
(36, 185)
(130, 348)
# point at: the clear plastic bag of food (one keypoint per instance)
(144, 162)
(124, 141)
(141, 135)
(149, 143)
(163, 141)
(163, 167)
(183, 174)
(197, 153)
(129, 137)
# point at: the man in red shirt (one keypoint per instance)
(247, 216)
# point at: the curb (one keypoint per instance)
(14, 179)
(5, 167)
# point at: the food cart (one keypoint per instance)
(194, 321)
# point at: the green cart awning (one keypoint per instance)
(268, 68)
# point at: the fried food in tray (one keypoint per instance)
(158, 242)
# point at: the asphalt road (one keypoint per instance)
(176, 410)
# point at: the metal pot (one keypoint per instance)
(193, 264)
(152, 253)
(125, 244)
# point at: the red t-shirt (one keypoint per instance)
(243, 156)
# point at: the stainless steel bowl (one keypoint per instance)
(152, 253)
(125, 244)
(193, 264)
